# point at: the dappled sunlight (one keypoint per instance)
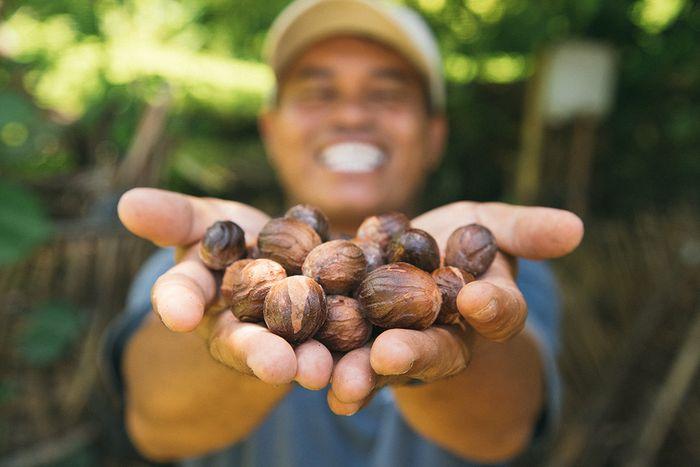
(460, 68)
(489, 11)
(504, 68)
(656, 15)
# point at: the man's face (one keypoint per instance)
(351, 132)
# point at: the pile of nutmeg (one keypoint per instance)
(302, 285)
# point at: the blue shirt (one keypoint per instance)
(302, 431)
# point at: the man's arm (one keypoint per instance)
(486, 413)
(180, 402)
(484, 390)
(215, 378)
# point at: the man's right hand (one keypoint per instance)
(184, 295)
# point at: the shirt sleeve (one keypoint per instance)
(539, 287)
(124, 325)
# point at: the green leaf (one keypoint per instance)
(23, 223)
(48, 333)
(9, 389)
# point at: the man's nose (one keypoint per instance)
(353, 113)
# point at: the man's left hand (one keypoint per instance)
(493, 306)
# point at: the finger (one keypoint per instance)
(168, 218)
(181, 295)
(353, 378)
(494, 305)
(531, 232)
(252, 349)
(314, 365)
(343, 408)
(437, 352)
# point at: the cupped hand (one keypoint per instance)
(493, 305)
(186, 297)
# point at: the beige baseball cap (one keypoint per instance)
(304, 22)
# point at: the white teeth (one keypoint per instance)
(352, 157)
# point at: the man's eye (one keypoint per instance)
(387, 96)
(318, 95)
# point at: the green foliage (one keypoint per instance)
(8, 391)
(83, 457)
(76, 76)
(23, 224)
(48, 332)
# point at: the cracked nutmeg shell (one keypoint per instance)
(373, 253)
(399, 295)
(287, 241)
(295, 308)
(338, 266)
(246, 287)
(345, 328)
(471, 248)
(416, 247)
(383, 228)
(450, 281)
(222, 245)
(312, 216)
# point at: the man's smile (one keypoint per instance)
(352, 157)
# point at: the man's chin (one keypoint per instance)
(351, 208)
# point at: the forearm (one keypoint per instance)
(180, 402)
(488, 411)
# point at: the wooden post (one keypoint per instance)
(580, 164)
(527, 177)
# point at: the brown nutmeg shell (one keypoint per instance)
(295, 308)
(345, 328)
(222, 245)
(231, 277)
(383, 228)
(399, 295)
(312, 216)
(416, 247)
(287, 241)
(450, 281)
(373, 253)
(471, 248)
(338, 266)
(246, 287)
(253, 251)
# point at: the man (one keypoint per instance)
(355, 128)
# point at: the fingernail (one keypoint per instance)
(404, 350)
(407, 369)
(489, 312)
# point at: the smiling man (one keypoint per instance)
(353, 116)
(355, 128)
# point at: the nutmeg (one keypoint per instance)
(450, 281)
(471, 248)
(253, 252)
(416, 247)
(382, 228)
(287, 241)
(399, 295)
(338, 266)
(246, 287)
(345, 328)
(312, 216)
(373, 253)
(295, 308)
(232, 276)
(223, 244)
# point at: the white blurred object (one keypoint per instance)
(578, 80)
